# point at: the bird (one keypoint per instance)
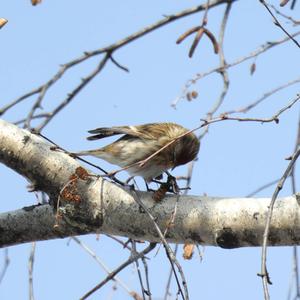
(138, 143)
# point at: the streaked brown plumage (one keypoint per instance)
(139, 142)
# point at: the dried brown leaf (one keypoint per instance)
(188, 250)
(252, 68)
(36, 2)
(135, 295)
(191, 95)
(284, 2)
(194, 94)
(2, 22)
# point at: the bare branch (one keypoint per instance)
(223, 71)
(37, 116)
(295, 22)
(107, 51)
(274, 118)
(277, 23)
(131, 259)
(260, 50)
(295, 270)
(167, 292)
(30, 270)
(293, 4)
(263, 97)
(102, 264)
(264, 273)
(144, 290)
(263, 187)
(71, 95)
(118, 64)
(170, 254)
(5, 265)
(18, 100)
(205, 123)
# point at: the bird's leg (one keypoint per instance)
(147, 186)
(129, 179)
(173, 186)
(133, 185)
(156, 180)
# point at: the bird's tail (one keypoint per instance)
(103, 132)
(96, 152)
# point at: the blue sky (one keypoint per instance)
(235, 158)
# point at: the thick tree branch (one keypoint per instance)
(102, 206)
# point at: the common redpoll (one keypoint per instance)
(140, 142)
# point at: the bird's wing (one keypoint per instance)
(146, 131)
(102, 132)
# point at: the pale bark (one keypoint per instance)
(104, 207)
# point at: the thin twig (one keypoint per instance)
(125, 245)
(293, 184)
(5, 265)
(296, 272)
(265, 186)
(19, 99)
(295, 22)
(188, 179)
(274, 118)
(260, 50)
(263, 97)
(170, 254)
(171, 221)
(143, 258)
(30, 270)
(101, 264)
(147, 277)
(223, 71)
(107, 50)
(167, 292)
(131, 259)
(37, 116)
(293, 4)
(71, 95)
(118, 64)
(167, 19)
(264, 273)
(205, 122)
(277, 23)
(81, 159)
(134, 252)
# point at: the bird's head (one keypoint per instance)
(186, 149)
